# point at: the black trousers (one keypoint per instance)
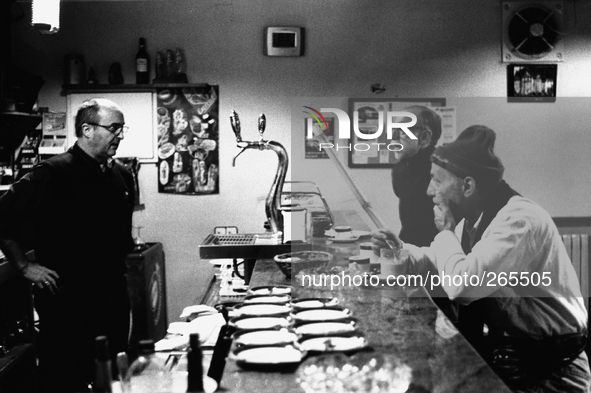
(69, 323)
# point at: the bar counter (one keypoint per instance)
(401, 322)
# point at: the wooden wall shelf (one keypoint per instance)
(69, 89)
(20, 120)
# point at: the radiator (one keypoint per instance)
(577, 247)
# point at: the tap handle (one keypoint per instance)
(262, 124)
(235, 122)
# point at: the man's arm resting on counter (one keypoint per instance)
(505, 247)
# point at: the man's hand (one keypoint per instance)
(379, 238)
(41, 276)
(444, 220)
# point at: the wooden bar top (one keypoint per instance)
(404, 323)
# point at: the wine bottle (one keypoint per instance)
(123, 368)
(103, 379)
(142, 64)
(160, 67)
(194, 365)
(220, 352)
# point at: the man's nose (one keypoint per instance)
(431, 189)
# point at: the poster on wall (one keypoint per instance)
(188, 135)
(372, 153)
(313, 149)
(448, 124)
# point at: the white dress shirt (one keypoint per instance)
(521, 244)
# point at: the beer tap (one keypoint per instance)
(262, 125)
(273, 201)
(235, 122)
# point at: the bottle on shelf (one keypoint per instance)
(194, 365)
(91, 80)
(169, 64)
(142, 64)
(103, 378)
(149, 373)
(160, 67)
(180, 74)
(179, 61)
(115, 75)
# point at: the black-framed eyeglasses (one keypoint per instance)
(114, 128)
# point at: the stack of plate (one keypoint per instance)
(328, 328)
(263, 338)
(272, 330)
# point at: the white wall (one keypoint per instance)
(417, 48)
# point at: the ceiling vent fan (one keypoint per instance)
(532, 31)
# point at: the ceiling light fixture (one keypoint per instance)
(46, 16)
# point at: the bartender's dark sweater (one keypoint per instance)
(410, 179)
(77, 218)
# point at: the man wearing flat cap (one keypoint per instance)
(501, 260)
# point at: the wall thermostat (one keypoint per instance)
(284, 41)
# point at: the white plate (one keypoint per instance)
(261, 309)
(221, 261)
(346, 240)
(332, 233)
(325, 328)
(270, 290)
(323, 314)
(261, 323)
(269, 355)
(313, 303)
(330, 344)
(268, 299)
(266, 338)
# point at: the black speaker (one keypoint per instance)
(147, 292)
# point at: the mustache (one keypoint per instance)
(453, 207)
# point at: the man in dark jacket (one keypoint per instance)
(410, 177)
(75, 211)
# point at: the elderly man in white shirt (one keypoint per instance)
(500, 258)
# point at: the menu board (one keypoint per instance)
(188, 135)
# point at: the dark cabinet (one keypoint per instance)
(17, 332)
(14, 128)
(147, 291)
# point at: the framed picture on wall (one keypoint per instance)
(312, 147)
(531, 82)
(188, 135)
(371, 153)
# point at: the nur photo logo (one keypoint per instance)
(393, 119)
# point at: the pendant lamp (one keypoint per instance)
(46, 16)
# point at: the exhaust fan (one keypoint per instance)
(532, 31)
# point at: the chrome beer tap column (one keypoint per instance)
(273, 201)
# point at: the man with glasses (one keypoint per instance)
(75, 211)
